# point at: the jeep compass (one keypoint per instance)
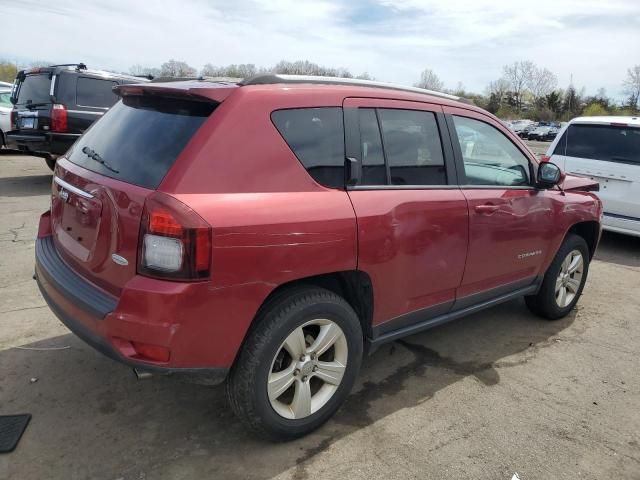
(268, 233)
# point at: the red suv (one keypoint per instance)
(268, 233)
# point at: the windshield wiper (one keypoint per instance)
(93, 155)
(31, 105)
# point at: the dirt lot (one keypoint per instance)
(482, 398)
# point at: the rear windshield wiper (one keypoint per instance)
(33, 105)
(93, 155)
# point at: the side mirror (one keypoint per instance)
(549, 175)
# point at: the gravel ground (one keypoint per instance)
(485, 397)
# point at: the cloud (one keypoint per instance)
(593, 42)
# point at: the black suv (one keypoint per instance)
(54, 105)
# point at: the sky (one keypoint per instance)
(469, 41)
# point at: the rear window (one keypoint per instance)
(34, 89)
(316, 136)
(139, 139)
(602, 142)
(94, 92)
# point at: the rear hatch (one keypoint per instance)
(609, 154)
(32, 100)
(100, 188)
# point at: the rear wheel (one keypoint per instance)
(564, 281)
(297, 365)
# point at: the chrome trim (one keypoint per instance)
(85, 111)
(71, 188)
(53, 85)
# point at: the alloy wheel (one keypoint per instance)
(307, 369)
(569, 278)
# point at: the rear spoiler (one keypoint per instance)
(198, 91)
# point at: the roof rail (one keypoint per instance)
(79, 66)
(269, 79)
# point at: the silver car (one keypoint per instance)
(5, 113)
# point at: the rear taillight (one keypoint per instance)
(59, 118)
(14, 119)
(175, 242)
(545, 158)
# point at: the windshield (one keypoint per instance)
(139, 139)
(34, 89)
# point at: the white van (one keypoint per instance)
(605, 149)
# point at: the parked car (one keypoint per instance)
(55, 105)
(263, 233)
(5, 85)
(519, 125)
(5, 113)
(542, 133)
(605, 149)
(524, 132)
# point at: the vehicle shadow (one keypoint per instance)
(619, 249)
(91, 417)
(25, 186)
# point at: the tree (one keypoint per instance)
(496, 91)
(430, 81)
(176, 68)
(632, 86)
(541, 83)
(571, 103)
(8, 71)
(594, 109)
(554, 101)
(305, 67)
(140, 71)
(243, 70)
(519, 75)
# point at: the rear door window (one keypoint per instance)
(604, 142)
(95, 92)
(34, 89)
(139, 139)
(316, 136)
(412, 147)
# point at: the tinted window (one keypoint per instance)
(93, 92)
(4, 100)
(34, 89)
(140, 138)
(412, 147)
(603, 142)
(316, 136)
(374, 170)
(489, 156)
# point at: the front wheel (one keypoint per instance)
(297, 365)
(564, 281)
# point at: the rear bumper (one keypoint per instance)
(47, 143)
(621, 224)
(108, 324)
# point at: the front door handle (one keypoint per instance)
(487, 208)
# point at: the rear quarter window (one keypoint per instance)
(95, 92)
(609, 143)
(316, 137)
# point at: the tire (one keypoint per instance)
(549, 302)
(250, 386)
(51, 163)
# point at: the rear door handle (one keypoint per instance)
(487, 208)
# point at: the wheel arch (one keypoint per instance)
(353, 285)
(590, 231)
